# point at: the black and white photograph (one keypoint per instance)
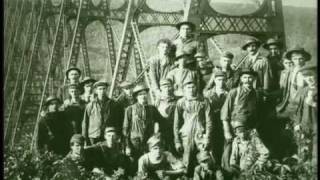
(160, 90)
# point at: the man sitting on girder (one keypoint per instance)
(160, 64)
(186, 41)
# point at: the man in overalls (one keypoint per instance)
(192, 124)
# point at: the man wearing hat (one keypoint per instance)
(207, 169)
(49, 136)
(205, 68)
(225, 62)
(87, 85)
(217, 96)
(157, 163)
(186, 42)
(192, 124)
(242, 103)
(293, 81)
(76, 161)
(161, 64)
(166, 105)
(73, 75)
(99, 113)
(247, 148)
(74, 107)
(187, 69)
(305, 116)
(258, 63)
(108, 156)
(274, 46)
(139, 122)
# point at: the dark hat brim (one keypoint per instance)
(253, 73)
(87, 81)
(100, 84)
(53, 99)
(303, 52)
(192, 25)
(266, 45)
(244, 47)
(134, 94)
(73, 68)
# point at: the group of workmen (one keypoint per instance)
(206, 121)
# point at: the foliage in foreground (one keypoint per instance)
(21, 164)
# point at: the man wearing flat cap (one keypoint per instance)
(217, 96)
(140, 122)
(74, 107)
(187, 69)
(208, 168)
(99, 113)
(158, 163)
(166, 105)
(242, 104)
(274, 46)
(87, 85)
(76, 162)
(258, 63)
(192, 124)
(73, 75)
(54, 131)
(225, 62)
(109, 158)
(247, 148)
(161, 64)
(186, 41)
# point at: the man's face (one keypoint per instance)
(74, 93)
(166, 90)
(247, 80)
(225, 62)
(220, 81)
(101, 91)
(287, 64)
(252, 48)
(88, 87)
(142, 97)
(156, 151)
(53, 106)
(190, 90)
(76, 149)
(310, 80)
(298, 59)
(111, 138)
(163, 48)
(185, 31)
(242, 133)
(74, 76)
(274, 50)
